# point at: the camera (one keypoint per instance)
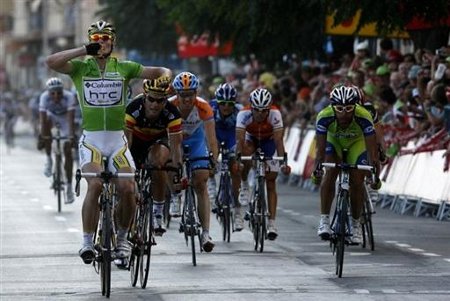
(441, 52)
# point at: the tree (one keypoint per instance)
(266, 28)
(141, 25)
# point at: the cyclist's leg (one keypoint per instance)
(244, 191)
(328, 188)
(158, 155)
(46, 125)
(200, 171)
(122, 161)
(90, 161)
(68, 167)
(357, 155)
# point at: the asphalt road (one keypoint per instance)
(39, 260)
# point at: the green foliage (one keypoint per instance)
(266, 28)
(140, 24)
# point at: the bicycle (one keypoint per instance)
(105, 234)
(141, 234)
(58, 170)
(258, 213)
(225, 199)
(190, 223)
(340, 224)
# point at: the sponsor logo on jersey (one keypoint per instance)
(103, 92)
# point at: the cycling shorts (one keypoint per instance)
(356, 151)
(268, 147)
(111, 144)
(197, 148)
(140, 148)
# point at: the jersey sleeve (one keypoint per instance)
(205, 111)
(131, 69)
(323, 120)
(364, 119)
(131, 112)
(276, 120)
(240, 119)
(174, 126)
(43, 102)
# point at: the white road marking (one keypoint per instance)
(60, 218)
(73, 230)
(389, 291)
(47, 207)
(359, 254)
(295, 213)
(24, 192)
(416, 250)
(447, 259)
(403, 245)
(391, 241)
(35, 200)
(431, 254)
(361, 291)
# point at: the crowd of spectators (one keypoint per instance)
(411, 91)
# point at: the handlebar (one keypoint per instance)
(105, 175)
(346, 166)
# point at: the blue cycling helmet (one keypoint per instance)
(185, 81)
(226, 92)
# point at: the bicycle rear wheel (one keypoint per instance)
(340, 233)
(105, 263)
(225, 204)
(148, 241)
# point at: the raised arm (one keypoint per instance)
(59, 61)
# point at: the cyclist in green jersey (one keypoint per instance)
(344, 125)
(101, 82)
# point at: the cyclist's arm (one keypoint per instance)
(155, 72)
(321, 141)
(278, 139)
(210, 131)
(45, 131)
(240, 139)
(372, 151)
(59, 61)
(175, 141)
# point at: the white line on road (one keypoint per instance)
(73, 230)
(361, 291)
(389, 291)
(391, 241)
(47, 207)
(24, 192)
(359, 254)
(416, 250)
(431, 254)
(60, 218)
(35, 200)
(403, 245)
(447, 259)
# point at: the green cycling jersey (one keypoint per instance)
(102, 96)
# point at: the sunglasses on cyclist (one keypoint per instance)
(260, 110)
(157, 100)
(189, 94)
(226, 103)
(341, 109)
(98, 37)
(56, 93)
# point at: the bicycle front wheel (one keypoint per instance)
(191, 222)
(58, 180)
(340, 233)
(148, 241)
(261, 213)
(105, 263)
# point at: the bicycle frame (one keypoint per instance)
(258, 207)
(104, 238)
(340, 224)
(225, 197)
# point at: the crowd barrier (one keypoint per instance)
(413, 183)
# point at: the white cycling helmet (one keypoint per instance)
(343, 95)
(54, 83)
(260, 99)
